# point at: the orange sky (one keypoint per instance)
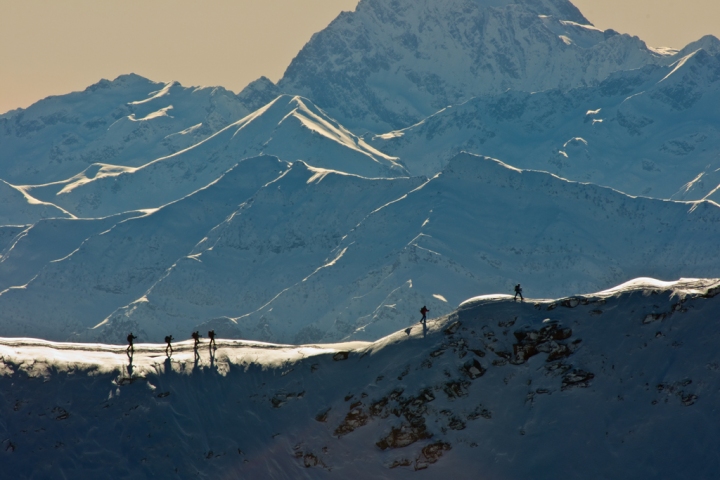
(54, 47)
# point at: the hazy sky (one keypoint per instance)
(50, 47)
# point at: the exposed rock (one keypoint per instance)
(322, 416)
(341, 356)
(577, 378)
(545, 340)
(452, 328)
(431, 454)
(480, 411)
(355, 418)
(404, 436)
(456, 389)
(473, 369)
(403, 462)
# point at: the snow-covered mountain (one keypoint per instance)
(287, 232)
(651, 131)
(482, 227)
(33, 247)
(18, 208)
(619, 384)
(129, 121)
(323, 256)
(119, 259)
(291, 128)
(389, 64)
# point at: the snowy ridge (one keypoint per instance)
(46, 241)
(651, 131)
(113, 267)
(497, 388)
(288, 127)
(359, 270)
(481, 225)
(18, 208)
(285, 233)
(62, 135)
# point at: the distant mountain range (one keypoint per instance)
(413, 154)
(652, 131)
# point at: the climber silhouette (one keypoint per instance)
(130, 347)
(196, 336)
(518, 291)
(424, 312)
(168, 340)
(211, 336)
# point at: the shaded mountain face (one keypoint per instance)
(482, 227)
(17, 208)
(323, 256)
(65, 277)
(389, 64)
(273, 241)
(651, 131)
(596, 385)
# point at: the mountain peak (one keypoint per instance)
(561, 9)
(258, 93)
(389, 63)
(709, 43)
(126, 80)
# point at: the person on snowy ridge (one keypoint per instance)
(518, 291)
(196, 336)
(211, 336)
(130, 339)
(424, 312)
(168, 339)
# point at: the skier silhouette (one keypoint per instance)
(196, 336)
(211, 336)
(130, 339)
(168, 339)
(424, 312)
(518, 291)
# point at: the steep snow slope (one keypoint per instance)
(392, 63)
(36, 245)
(481, 227)
(276, 239)
(651, 131)
(8, 233)
(19, 208)
(291, 128)
(128, 121)
(326, 260)
(620, 384)
(117, 266)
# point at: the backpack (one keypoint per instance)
(168, 339)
